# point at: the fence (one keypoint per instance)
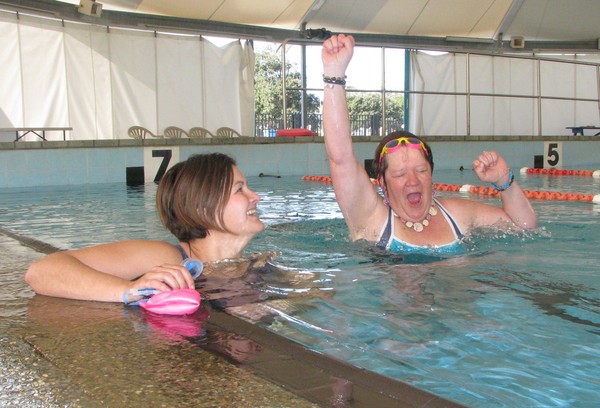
(360, 125)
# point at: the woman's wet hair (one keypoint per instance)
(380, 166)
(193, 193)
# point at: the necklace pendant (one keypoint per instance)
(420, 225)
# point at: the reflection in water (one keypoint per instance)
(342, 393)
(177, 327)
(237, 348)
(257, 278)
(121, 355)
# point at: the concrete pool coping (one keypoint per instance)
(303, 377)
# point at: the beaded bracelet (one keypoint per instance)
(334, 80)
(511, 178)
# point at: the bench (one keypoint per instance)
(38, 131)
(578, 130)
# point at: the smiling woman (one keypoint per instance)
(206, 204)
(405, 218)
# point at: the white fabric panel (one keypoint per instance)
(500, 115)
(223, 85)
(586, 113)
(523, 119)
(11, 101)
(568, 81)
(438, 114)
(80, 80)
(557, 115)
(101, 83)
(586, 87)
(88, 77)
(483, 71)
(523, 76)
(557, 79)
(502, 76)
(247, 90)
(586, 76)
(180, 88)
(484, 107)
(133, 72)
(44, 76)
(523, 112)
(102, 79)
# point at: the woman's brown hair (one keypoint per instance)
(192, 194)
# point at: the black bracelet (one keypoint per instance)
(334, 80)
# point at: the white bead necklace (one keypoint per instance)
(419, 226)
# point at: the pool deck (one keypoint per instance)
(258, 140)
(61, 352)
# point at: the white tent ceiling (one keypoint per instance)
(571, 20)
(558, 24)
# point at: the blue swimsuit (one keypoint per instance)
(389, 241)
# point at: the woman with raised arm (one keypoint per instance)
(407, 217)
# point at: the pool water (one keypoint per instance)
(515, 321)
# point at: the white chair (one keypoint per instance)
(140, 132)
(227, 132)
(174, 132)
(200, 133)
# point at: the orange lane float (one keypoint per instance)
(323, 179)
(561, 172)
(490, 191)
(327, 179)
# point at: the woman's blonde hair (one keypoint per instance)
(192, 194)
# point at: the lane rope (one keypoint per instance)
(561, 172)
(490, 191)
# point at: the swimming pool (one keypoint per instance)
(513, 322)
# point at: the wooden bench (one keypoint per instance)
(578, 130)
(38, 131)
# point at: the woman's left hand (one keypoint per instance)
(164, 278)
(490, 167)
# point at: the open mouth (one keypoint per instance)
(414, 198)
(251, 212)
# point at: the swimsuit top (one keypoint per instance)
(182, 251)
(387, 239)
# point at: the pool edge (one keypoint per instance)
(313, 376)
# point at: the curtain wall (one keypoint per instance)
(466, 94)
(100, 81)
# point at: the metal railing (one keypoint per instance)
(360, 125)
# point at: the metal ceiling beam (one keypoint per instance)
(508, 19)
(68, 12)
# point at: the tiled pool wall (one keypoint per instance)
(28, 164)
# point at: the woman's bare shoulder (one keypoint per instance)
(471, 213)
(133, 250)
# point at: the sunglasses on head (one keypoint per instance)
(407, 141)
